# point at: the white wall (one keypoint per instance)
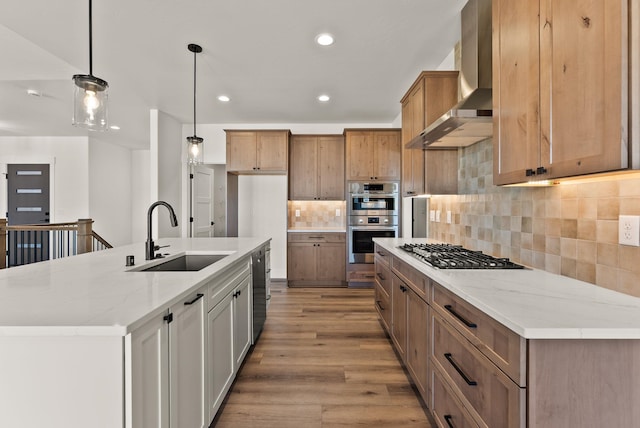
(110, 191)
(262, 212)
(69, 160)
(140, 194)
(166, 170)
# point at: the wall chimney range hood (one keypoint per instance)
(471, 120)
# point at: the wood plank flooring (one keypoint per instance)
(323, 360)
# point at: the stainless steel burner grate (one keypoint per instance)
(447, 256)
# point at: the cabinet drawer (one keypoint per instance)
(316, 237)
(505, 348)
(415, 279)
(383, 277)
(446, 408)
(383, 306)
(223, 283)
(491, 397)
(382, 256)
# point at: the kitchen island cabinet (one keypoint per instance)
(524, 348)
(560, 89)
(104, 345)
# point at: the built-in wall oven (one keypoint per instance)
(373, 213)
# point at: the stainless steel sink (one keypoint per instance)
(186, 263)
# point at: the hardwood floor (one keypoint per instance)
(322, 360)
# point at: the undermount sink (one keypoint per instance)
(186, 263)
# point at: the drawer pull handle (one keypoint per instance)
(369, 276)
(379, 305)
(459, 370)
(316, 237)
(195, 299)
(460, 317)
(381, 254)
(382, 278)
(447, 419)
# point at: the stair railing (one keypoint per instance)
(24, 244)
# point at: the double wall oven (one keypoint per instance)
(373, 213)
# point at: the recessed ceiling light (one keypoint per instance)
(323, 98)
(324, 39)
(114, 127)
(223, 98)
(34, 93)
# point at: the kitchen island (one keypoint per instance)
(511, 348)
(88, 341)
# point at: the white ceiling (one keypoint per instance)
(262, 54)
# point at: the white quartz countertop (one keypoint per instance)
(95, 294)
(534, 303)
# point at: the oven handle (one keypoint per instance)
(373, 194)
(395, 228)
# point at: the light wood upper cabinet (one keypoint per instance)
(317, 167)
(257, 152)
(373, 154)
(430, 96)
(560, 85)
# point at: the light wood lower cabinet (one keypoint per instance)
(482, 374)
(485, 391)
(447, 410)
(409, 326)
(316, 259)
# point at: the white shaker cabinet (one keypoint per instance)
(148, 375)
(229, 324)
(187, 363)
(168, 368)
(220, 358)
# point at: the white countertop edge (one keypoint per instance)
(48, 330)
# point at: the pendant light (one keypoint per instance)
(90, 95)
(194, 143)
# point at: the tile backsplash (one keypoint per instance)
(569, 229)
(317, 214)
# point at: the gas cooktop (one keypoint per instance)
(447, 256)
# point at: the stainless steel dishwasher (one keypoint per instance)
(259, 267)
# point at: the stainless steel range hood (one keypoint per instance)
(471, 120)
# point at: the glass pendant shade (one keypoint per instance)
(90, 102)
(195, 153)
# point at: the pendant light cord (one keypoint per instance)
(194, 92)
(90, 42)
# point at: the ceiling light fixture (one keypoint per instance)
(223, 98)
(90, 95)
(34, 93)
(114, 127)
(323, 98)
(324, 39)
(194, 142)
